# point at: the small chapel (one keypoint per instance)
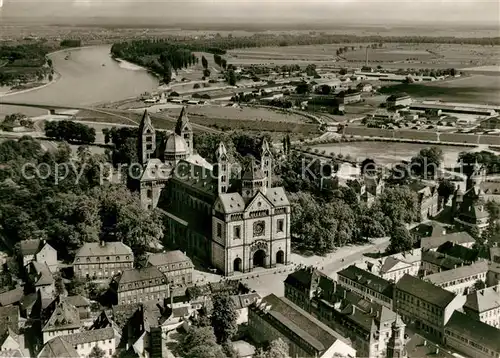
(234, 222)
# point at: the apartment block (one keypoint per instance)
(484, 305)
(461, 279)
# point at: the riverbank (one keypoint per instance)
(55, 78)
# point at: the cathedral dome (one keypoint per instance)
(176, 145)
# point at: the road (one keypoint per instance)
(267, 281)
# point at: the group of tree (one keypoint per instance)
(70, 43)
(65, 203)
(427, 162)
(219, 61)
(160, 57)
(70, 131)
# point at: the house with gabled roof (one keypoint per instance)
(57, 348)
(462, 238)
(85, 341)
(471, 337)
(429, 306)
(39, 251)
(102, 260)
(461, 279)
(393, 269)
(484, 305)
(367, 285)
(64, 320)
(42, 279)
(175, 265)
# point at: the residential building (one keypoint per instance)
(367, 285)
(461, 279)
(40, 251)
(274, 317)
(63, 320)
(365, 87)
(368, 324)
(484, 305)
(235, 225)
(144, 333)
(241, 304)
(9, 320)
(434, 262)
(429, 306)
(419, 347)
(393, 269)
(12, 341)
(473, 338)
(175, 265)
(81, 303)
(57, 348)
(104, 321)
(85, 341)
(493, 275)
(397, 100)
(427, 199)
(140, 285)
(42, 279)
(461, 252)
(381, 118)
(102, 260)
(462, 238)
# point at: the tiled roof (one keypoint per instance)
(277, 196)
(112, 249)
(483, 300)
(145, 274)
(232, 202)
(253, 171)
(458, 273)
(65, 316)
(29, 247)
(90, 336)
(476, 331)
(413, 256)
(78, 301)
(242, 301)
(44, 276)
(196, 177)
(12, 296)
(363, 277)
(198, 160)
(461, 252)
(57, 348)
(11, 353)
(441, 260)
(316, 333)
(425, 291)
(418, 347)
(389, 264)
(434, 242)
(169, 257)
(301, 278)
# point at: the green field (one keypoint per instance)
(476, 89)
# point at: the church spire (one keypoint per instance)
(266, 163)
(147, 138)
(183, 129)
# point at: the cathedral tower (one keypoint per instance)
(266, 163)
(253, 180)
(183, 128)
(223, 170)
(147, 138)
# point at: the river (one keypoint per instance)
(89, 76)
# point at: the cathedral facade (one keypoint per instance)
(233, 222)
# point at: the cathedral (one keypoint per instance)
(232, 221)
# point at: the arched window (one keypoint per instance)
(117, 258)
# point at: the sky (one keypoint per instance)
(370, 11)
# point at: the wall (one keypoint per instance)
(108, 346)
(47, 336)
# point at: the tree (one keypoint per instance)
(398, 204)
(446, 188)
(200, 342)
(223, 63)
(224, 318)
(217, 59)
(427, 162)
(477, 286)
(231, 77)
(204, 62)
(303, 88)
(58, 284)
(325, 89)
(97, 352)
(206, 72)
(401, 239)
(167, 72)
(276, 349)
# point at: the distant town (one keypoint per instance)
(267, 195)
